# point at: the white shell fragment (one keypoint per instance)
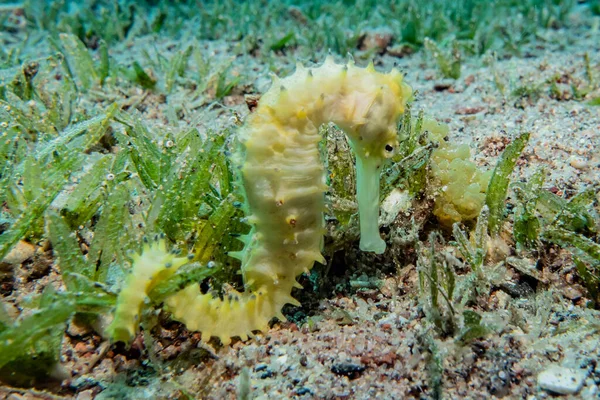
(562, 380)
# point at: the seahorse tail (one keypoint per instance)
(152, 266)
(237, 314)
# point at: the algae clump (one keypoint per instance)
(457, 185)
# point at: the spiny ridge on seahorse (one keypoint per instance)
(284, 182)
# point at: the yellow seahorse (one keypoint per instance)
(284, 182)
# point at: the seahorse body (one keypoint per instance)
(284, 182)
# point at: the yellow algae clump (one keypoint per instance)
(457, 185)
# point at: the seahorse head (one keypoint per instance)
(373, 104)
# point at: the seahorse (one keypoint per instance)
(283, 178)
(284, 182)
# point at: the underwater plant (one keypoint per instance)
(458, 186)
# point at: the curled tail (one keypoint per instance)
(237, 314)
(154, 265)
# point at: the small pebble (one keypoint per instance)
(261, 367)
(21, 252)
(266, 374)
(350, 370)
(572, 293)
(302, 391)
(578, 163)
(561, 380)
(85, 395)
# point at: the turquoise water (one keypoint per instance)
(120, 123)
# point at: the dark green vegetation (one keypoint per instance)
(84, 173)
(471, 27)
(118, 179)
